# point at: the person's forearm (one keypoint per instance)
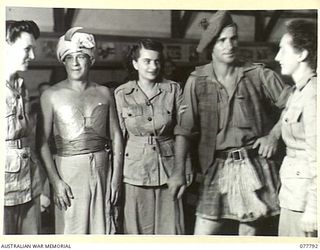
(117, 159)
(181, 152)
(49, 164)
(276, 130)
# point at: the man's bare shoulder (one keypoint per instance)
(54, 92)
(102, 89)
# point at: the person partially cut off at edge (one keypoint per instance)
(298, 173)
(22, 178)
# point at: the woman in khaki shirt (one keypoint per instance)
(147, 108)
(298, 194)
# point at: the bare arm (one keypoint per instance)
(177, 181)
(268, 144)
(62, 192)
(117, 149)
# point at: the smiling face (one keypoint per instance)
(147, 65)
(287, 56)
(21, 52)
(225, 47)
(77, 66)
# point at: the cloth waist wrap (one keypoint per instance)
(83, 144)
(239, 181)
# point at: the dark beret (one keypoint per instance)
(217, 22)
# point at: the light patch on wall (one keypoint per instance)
(125, 22)
(42, 16)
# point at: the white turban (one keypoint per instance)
(74, 41)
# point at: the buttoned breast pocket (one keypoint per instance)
(242, 112)
(133, 118)
(293, 119)
(165, 116)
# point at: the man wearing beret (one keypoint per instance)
(231, 111)
(84, 121)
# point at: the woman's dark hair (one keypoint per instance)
(304, 37)
(15, 28)
(134, 54)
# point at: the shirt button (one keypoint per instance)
(127, 154)
(148, 103)
(24, 156)
(18, 96)
(286, 120)
(149, 119)
(20, 117)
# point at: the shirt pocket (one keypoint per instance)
(299, 169)
(17, 170)
(133, 118)
(295, 179)
(242, 117)
(13, 162)
(134, 165)
(131, 112)
(293, 119)
(134, 153)
(167, 156)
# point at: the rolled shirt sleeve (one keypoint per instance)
(188, 120)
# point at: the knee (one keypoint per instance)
(206, 227)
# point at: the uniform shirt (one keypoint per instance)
(299, 169)
(148, 125)
(22, 179)
(222, 121)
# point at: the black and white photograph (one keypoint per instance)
(160, 122)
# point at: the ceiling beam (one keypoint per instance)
(58, 20)
(63, 20)
(69, 18)
(180, 22)
(271, 24)
(259, 26)
(184, 22)
(175, 23)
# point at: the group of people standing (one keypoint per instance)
(128, 154)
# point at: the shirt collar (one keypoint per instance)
(207, 71)
(162, 86)
(16, 83)
(303, 80)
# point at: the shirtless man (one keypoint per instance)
(82, 115)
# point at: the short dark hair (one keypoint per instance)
(304, 37)
(15, 28)
(134, 54)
